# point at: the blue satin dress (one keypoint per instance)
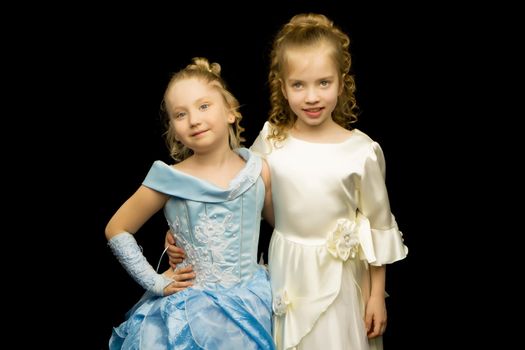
(229, 306)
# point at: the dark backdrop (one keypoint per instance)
(112, 66)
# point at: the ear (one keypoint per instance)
(231, 118)
(283, 90)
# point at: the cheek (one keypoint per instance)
(177, 128)
(331, 96)
(334, 98)
(295, 99)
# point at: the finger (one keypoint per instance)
(179, 286)
(183, 273)
(377, 330)
(170, 238)
(179, 250)
(174, 259)
(185, 284)
(383, 328)
(186, 269)
(368, 323)
(180, 277)
(372, 333)
(186, 276)
(175, 251)
(175, 287)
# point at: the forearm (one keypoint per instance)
(378, 276)
(125, 248)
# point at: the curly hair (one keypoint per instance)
(210, 73)
(306, 30)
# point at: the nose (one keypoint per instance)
(311, 96)
(194, 119)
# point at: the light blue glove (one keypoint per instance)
(128, 253)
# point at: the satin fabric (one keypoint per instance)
(318, 190)
(229, 306)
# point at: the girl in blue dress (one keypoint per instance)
(213, 198)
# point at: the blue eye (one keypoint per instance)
(179, 115)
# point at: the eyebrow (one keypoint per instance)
(196, 102)
(329, 77)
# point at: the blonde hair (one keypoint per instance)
(210, 73)
(306, 30)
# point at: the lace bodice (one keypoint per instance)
(218, 228)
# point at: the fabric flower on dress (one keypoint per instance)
(343, 242)
(280, 303)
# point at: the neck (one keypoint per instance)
(314, 131)
(214, 158)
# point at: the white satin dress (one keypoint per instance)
(332, 219)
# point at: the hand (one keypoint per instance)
(375, 317)
(175, 254)
(182, 279)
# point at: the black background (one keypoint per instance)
(101, 73)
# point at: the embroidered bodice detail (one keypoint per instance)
(206, 253)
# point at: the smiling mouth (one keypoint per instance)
(313, 110)
(198, 133)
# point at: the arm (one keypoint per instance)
(387, 240)
(268, 204)
(119, 231)
(375, 311)
(134, 213)
(263, 148)
(175, 254)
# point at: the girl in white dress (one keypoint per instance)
(334, 231)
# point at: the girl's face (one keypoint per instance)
(199, 115)
(311, 85)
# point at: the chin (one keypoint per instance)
(314, 121)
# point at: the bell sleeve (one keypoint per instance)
(383, 241)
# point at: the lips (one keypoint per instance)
(313, 112)
(197, 133)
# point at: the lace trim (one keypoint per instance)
(129, 254)
(208, 260)
(237, 184)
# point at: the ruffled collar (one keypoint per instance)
(166, 179)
